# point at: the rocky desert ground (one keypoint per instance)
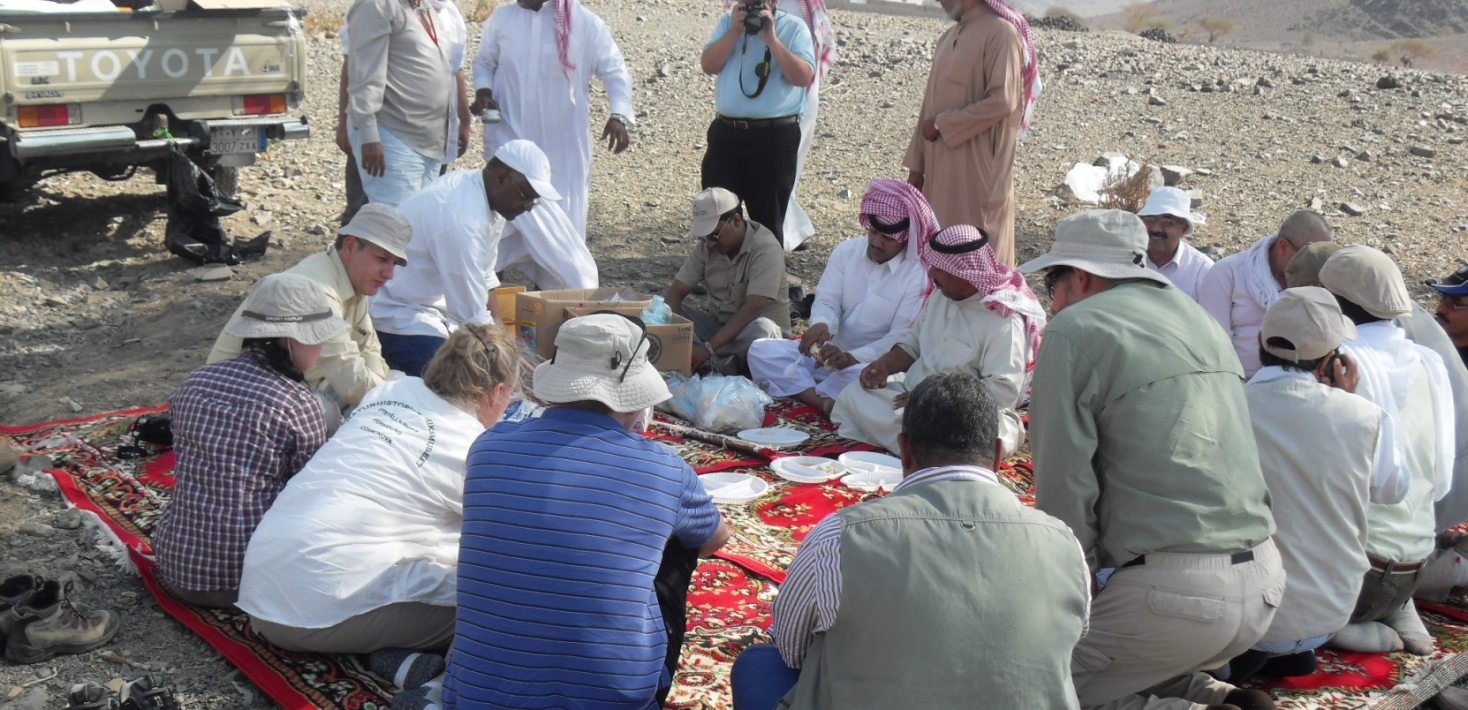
(95, 316)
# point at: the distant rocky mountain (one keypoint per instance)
(1287, 20)
(1392, 19)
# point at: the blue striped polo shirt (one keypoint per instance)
(565, 521)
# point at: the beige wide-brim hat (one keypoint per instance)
(592, 354)
(287, 305)
(382, 225)
(1111, 244)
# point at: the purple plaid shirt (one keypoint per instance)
(240, 430)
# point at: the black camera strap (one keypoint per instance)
(761, 70)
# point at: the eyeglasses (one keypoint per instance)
(1458, 303)
(1163, 221)
(718, 231)
(530, 202)
(1053, 277)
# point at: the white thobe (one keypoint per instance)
(950, 336)
(517, 60)
(1236, 292)
(798, 227)
(865, 305)
(1186, 269)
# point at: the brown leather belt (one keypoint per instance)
(745, 124)
(1390, 567)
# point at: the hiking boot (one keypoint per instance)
(13, 592)
(90, 696)
(52, 624)
(147, 693)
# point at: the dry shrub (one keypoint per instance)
(320, 23)
(1137, 17)
(1062, 13)
(1217, 27)
(1124, 192)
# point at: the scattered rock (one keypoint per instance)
(1155, 100)
(13, 388)
(70, 403)
(665, 70)
(1062, 23)
(1389, 81)
(1364, 156)
(100, 284)
(1352, 209)
(1339, 162)
(56, 301)
(218, 272)
(1422, 151)
(69, 519)
(1315, 204)
(1157, 34)
(1172, 175)
(33, 699)
(844, 193)
(35, 529)
(1195, 198)
(1264, 82)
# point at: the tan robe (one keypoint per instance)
(976, 91)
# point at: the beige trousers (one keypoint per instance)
(421, 627)
(1157, 624)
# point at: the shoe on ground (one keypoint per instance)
(147, 693)
(405, 668)
(1452, 698)
(90, 696)
(15, 591)
(53, 625)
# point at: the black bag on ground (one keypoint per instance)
(194, 209)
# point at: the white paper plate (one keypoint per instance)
(808, 469)
(872, 462)
(733, 488)
(774, 437)
(869, 481)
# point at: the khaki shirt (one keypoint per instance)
(758, 269)
(1141, 431)
(351, 362)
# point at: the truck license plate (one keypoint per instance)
(236, 139)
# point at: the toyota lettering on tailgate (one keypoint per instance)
(71, 66)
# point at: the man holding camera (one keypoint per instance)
(764, 59)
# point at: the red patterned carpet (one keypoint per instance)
(729, 607)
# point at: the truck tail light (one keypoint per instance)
(48, 116)
(259, 104)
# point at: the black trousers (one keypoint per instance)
(758, 165)
(671, 584)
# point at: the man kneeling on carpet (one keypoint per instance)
(566, 520)
(359, 554)
(857, 626)
(241, 428)
(984, 321)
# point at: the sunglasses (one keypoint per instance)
(530, 202)
(1459, 303)
(1053, 277)
(718, 231)
(616, 359)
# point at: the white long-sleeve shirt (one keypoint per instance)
(451, 260)
(1236, 292)
(1186, 269)
(518, 61)
(867, 306)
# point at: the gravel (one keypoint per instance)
(95, 315)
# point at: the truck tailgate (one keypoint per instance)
(122, 62)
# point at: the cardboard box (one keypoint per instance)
(538, 314)
(505, 295)
(671, 345)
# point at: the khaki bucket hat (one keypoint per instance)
(287, 306)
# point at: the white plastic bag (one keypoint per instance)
(717, 403)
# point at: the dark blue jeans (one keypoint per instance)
(408, 353)
(760, 678)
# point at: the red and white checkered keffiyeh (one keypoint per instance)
(1004, 288)
(892, 201)
(565, 10)
(1033, 85)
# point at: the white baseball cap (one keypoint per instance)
(1172, 201)
(526, 158)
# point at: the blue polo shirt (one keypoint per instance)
(565, 521)
(780, 97)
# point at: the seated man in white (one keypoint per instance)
(1240, 286)
(984, 321)
(1326, 457)
(1409, 382)
(359, 554)
(869, 294)
(1168, 216)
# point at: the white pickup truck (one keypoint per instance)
(91, 90)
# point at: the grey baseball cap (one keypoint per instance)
(1111, 244)
(382, 225)
(1309, 320)
(1368, 278)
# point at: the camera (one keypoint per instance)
(754, 22)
